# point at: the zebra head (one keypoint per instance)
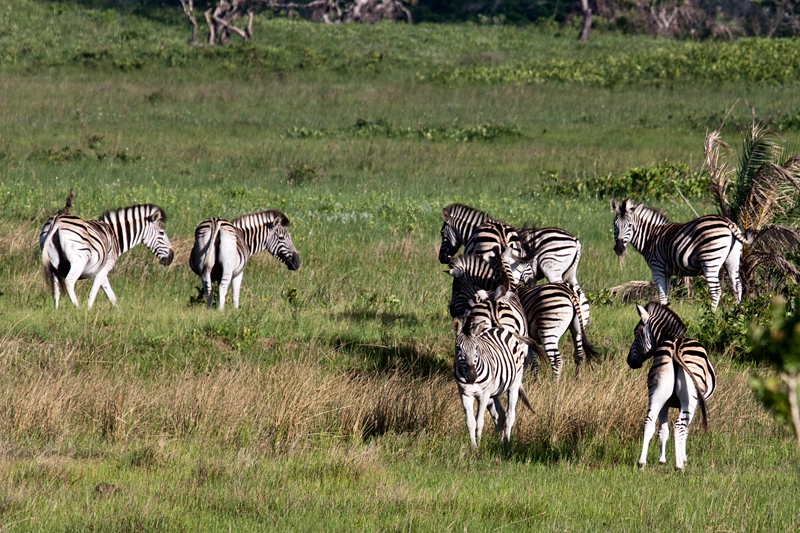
(624, 224)
(154, 236)
(465, 365)
(451, 240)
(279, 242)
(642, 347)
(470, 274)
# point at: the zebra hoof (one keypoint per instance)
(641, 466)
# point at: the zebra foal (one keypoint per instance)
(221, 250)
(74, 249)
(702, 245)
(681, 376)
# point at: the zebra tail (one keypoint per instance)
(700, 395)
(588, 350)
(210, 251)
(524, 398)
(48, 266)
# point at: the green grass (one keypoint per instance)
(326, 401)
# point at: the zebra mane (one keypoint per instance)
(147, 209)
(262, 218)
(652, 213)
(458, 211)
(664, 319)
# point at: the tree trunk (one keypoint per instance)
(587, 20)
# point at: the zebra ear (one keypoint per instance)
(446, 214)
(284, 221)
(643, 313)
(614, 205)
(456, 325)
(628, 204)
(455, 272)
(488, 256)
(500, 293)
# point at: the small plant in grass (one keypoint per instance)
(779, 345)
(299, 173)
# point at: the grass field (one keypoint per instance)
(326, 402)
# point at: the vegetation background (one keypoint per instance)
(326, 401)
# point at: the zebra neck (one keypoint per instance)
(127, 233)
(254, 241)
(467, 223)
(645, 236)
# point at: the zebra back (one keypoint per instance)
(140, 224)
(266, 230)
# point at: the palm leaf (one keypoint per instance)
(777, 238)
(762, 146)
(718, 169)
(772, 193)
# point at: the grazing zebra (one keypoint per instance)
(551, 309)
(670, 249)
(681, 377)
(549, 253)
(486, 365)
(74, 249)
(221, 250)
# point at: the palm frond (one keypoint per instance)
(718, 169)
(777, 238)
(768, 260)
(762, 146)
(772, 193)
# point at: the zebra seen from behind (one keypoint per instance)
(681, 376)
(702, 245)
(73, 248)
(221, 250)
(486, 365)
(549, 253)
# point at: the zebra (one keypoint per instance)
(486, 365)
(550, 253)
(681, 376)
(472, 273)
(73, 248)
(704, 245)
(551, 309)
(221, 250)
(502, 308)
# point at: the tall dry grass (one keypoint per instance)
(293, 403)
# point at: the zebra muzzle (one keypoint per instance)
(619, 247)
(167, 259)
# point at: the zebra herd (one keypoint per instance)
(497, 319)
(499, 312)
(74, 249)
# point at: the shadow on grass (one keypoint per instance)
(415, 356)
(385, 318)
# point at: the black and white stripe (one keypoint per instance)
(486, 365)
(549, 253)
(74, 249)
(702, 245)
(221, 250)
(681, 376)
(551, 310)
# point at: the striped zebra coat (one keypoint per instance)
(702, 245)
(221, 250)
(74, 249)
(550, 253)
(487, 365)
(681, 376)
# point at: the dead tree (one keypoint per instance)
(587, 20)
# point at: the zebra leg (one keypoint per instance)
(75, 271)
(101, 280)
(511, 414)
(223, 289)
(711, 273)
(662, 285)
(56, 288)
(556, 363)
(498, 414)
(207, 287)
(663, 433)
(469, 414)
(483, 404)
(659, 395)
(732, 266)
(687, 393)
(236, 284)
